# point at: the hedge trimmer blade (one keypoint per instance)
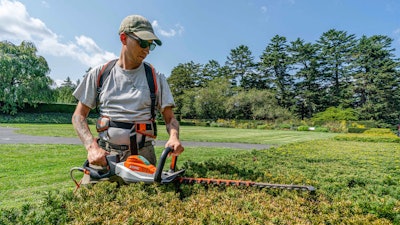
(220, 182)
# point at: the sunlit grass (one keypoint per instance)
(191, 133)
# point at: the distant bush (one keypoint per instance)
(333, 114)
(54, 118)
(356, 130)
(321, 129)
(380, 131)
(371, 135)
(303, 128)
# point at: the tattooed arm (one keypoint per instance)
(172, 126)
(96, 155)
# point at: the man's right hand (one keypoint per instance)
(96, 155)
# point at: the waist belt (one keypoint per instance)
(127, 125)
(110, 146)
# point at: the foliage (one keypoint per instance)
(303, 128)
(23, 77)
(305, 78)
(333, 114)
(255, 105)
(356, 184)
(240, 64)
(374, 66)
(42, 118)
(308, 93)
(274, 65)
(356, 130)
(208, 103)
(371, 135)
(335, 56)
(63, 94)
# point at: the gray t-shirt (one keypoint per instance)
(125, 97)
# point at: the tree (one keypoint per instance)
(275, 66)
(210, 71)
(335, 55)
(23, 77)
(256, 105)
(64, 93)
(209, 101)
(307, 90)
(240, 62)
(376, 80)
(183, 78)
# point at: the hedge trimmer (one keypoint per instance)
(137, 169)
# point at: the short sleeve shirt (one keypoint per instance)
(125, 94)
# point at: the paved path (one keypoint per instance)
(9, 136)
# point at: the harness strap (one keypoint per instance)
(151, 81)
(100, 78)
(123, 125)
(108, 146)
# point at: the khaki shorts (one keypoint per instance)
(147, 152)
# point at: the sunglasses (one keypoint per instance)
(142, 43)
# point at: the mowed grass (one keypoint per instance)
(190, 133)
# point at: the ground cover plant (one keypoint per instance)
(357, 183)
(29, 170)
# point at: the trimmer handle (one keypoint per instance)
(97, 174)
(161, 163)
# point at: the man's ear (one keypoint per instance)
(122, 37)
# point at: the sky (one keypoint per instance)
(74, 35)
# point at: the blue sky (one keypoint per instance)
(74, 35)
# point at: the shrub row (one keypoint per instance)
(349, 191)
(370, 135)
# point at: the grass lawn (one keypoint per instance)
(191, 133)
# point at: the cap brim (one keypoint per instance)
(145, 35)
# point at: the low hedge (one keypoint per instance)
(370, 135)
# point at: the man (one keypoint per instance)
(124, 101)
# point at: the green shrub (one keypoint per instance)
(283, 126)
(53, 118)
(336, 126)
(303, 128)
(335, 114)
(371, 135)
(357, 183)
(356, 130)
(321, 129)
(379, 131)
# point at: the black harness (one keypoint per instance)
(151, 81)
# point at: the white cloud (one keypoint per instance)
(167, 33)
(17, 25)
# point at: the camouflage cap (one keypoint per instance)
(140, 26)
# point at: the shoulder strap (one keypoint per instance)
(105, 71)
(152, 82)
